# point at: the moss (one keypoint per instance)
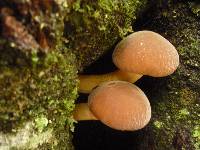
(176, 117)
(176, 104)
(196, 135)
(93, 28)
(40, 123)
(158, 124)
(39, 87)
(49, 91)
(195, 7)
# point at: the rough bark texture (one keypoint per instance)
(175, 99)
(38, 68)
(38, 76)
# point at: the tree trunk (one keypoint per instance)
(42, 44)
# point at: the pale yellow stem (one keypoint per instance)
(88, 82)
(82, 112)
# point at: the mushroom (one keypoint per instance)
(146, 53)
(88, 82)
(82, 112)
(140, 53)
(118, 104)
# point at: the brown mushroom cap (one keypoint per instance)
(120, 105)
(146, 53)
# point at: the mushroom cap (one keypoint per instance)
(146, 53)
(120, 105)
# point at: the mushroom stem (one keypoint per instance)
(88, 82)
(82, 112)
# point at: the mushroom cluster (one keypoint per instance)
(140, 53)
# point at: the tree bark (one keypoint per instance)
(43, 43)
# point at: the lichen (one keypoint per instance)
(38, 88)
(49, 91)
(25, 138)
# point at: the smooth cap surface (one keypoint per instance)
(120, 105)
(146, 53)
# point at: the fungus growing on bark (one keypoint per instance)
(82, 112)
(146, 53)
(140, 53)
(88, 82)
(118, 104)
